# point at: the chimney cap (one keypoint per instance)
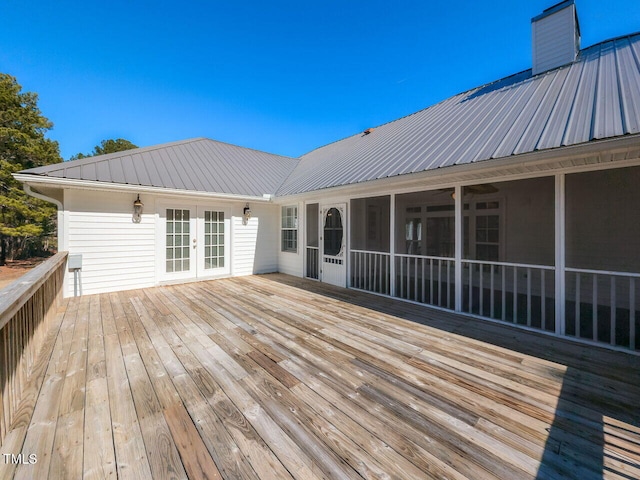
(556, 8)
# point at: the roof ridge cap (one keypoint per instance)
(249, 148)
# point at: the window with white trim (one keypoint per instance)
(289, 229)
(488, 231)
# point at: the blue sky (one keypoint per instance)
(279, 76)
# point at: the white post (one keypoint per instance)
(347, 230)
(392, 245)
(302, 237)
(560, 252)
(458, 247)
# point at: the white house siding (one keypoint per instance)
(603, 231)
(289, 262)
(117, 254)
(255, 246)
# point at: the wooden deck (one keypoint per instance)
(277, 377)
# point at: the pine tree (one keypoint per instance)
(25, 222)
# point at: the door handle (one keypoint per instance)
(194, 243)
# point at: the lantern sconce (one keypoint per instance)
(137, 210)
(246, 214)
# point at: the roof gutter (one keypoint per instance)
(62, 244)
(35, 180)
(29, 191)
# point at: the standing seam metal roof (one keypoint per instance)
(595, 97)
(200, 165)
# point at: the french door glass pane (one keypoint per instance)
(213, 244)
(177, 248)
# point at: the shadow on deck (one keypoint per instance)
(597, 416)
(278, 377)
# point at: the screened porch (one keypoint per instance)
(555, 253)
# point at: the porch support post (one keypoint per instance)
(458, 247)
(560, 253)
(347, 255)
(392, 245)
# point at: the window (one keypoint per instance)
(488, 231)
(333, 232)
(289, 229)
(413, 234)
(430, 230)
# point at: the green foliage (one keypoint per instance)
(113, 146)
(25, 222)
(107, 146)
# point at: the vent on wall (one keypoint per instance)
(555, 37)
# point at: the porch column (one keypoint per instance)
(392, 245)
(458, 247)
(560, 252)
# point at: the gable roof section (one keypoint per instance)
(596, 97)
(200, 165)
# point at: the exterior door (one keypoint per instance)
(212, 251)
(180, 242)
(196, 242)
(334, 244)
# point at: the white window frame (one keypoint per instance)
(471, 212)
(289, 226)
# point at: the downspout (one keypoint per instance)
(58, 204)
(61, 245)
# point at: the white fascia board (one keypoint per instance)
(54, 182)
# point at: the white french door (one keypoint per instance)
(195, 242)
(212, 242)
(180, 242)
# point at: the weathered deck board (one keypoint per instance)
(275, 377)
(99, 455)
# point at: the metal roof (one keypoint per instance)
(200, 165)
(593, 98)
(596, 97)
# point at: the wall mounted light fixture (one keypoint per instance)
(246, 214)
(137, 210)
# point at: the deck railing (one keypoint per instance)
(27, 310)
(426, 279)
(603, 306)
(371, 271)
(513, 292)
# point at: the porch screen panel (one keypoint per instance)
(509, 252)
(424, 263)
(313, 239)
(370, 244)
(213, 239)
(177, 239)
(370, 223)
(602, 260)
